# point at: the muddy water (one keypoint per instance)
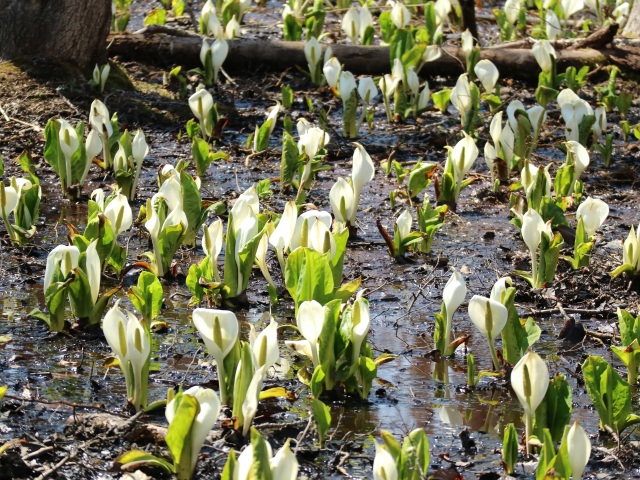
(413, 391)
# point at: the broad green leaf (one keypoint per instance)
(260, 468)
(555, 410)
(401, 42)
(229, 466)
(416, 451)
(393, 446)
(337, 261)
(179, 433)
(420, 178)
(290, 160)
(609, 393)
(263, 135)
(146, 297)
(157, 16)
(308, 276)
(101, 304)
(137, 458)
(80, 294)
(322, 416)
(192, 206)
(243, 376)
(510, 448)
(413, 57)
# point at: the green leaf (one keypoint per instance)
(157, 16)
(387, 27)
(420, 178)
(243, 376)
(326, 341)
(347, 290)
(441, 99)
(629, 327)
(322, 416)
(169, 241)
(52, 151)
(393, 446)
(350, 115)
(547, 456)
(287, 95)
(80, 294)
(290, 161)
(337, 261)
(193, 283)
(56, 300)
(555, 410)
(229, 466)
(101, 304)
(292, 31)
(263, 188)
(308, 276)
(146, 297)
(609, 393)
(510, 448)
(179, 433)
(413, 57)
(260, 468)
(401, 43)
(263, 134)
(545, 95)
(192, 206)
(137, 458)
(415, 448)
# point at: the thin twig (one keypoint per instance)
(302, 435)
(11, 119)
(37, 453)
(56, 467)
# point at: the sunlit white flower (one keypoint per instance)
(593, 212)
(367, 90)
(543, 52)
(512, 10)
(400, 14)
(578, 449)
(347, 85)
(217, 52)
(461, 96)
(331, 70)
(487, 73)
(219, 329)
(530, 381)
(552, 26)
(206, 418)
(384, 465)
(313, 54)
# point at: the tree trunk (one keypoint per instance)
(468, 8)
(66, 31)
(632, 28)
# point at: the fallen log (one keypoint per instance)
(159, 45)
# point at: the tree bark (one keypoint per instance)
(66, 31)
(248, 54)
(468, 8)
(632, 28)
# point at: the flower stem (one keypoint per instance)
(528, 421)
(494, 355)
